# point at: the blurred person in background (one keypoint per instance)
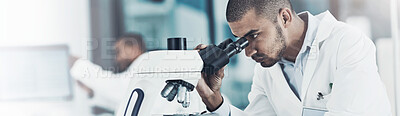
(109, 86)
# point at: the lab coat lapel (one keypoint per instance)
(282, 89)
(324, 30)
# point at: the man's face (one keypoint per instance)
(266, 41)
(125, 54)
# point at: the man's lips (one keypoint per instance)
(258, 59)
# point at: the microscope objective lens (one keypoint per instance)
(186, 102)
(173, 93)
(167, 89)
(181, 94)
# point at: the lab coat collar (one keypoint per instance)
(312, 26)
(327, 23)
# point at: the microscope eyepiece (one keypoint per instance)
(225, 43)
(236, 47)
(216, 57)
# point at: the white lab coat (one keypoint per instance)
(108, 87)
(341, 55)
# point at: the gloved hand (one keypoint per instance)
(209, 86)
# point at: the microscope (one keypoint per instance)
(161, 76)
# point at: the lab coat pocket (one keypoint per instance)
(321, 100)
(325, 99)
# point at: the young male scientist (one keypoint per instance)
(309, 65)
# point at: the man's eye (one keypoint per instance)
(254, 36)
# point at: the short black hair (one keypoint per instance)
(132, 39)
(236, 9)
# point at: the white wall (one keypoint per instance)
(43, 22)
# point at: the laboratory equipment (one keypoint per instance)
(161, 76)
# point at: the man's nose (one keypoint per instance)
(250, 50)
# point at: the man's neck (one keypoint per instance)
(298, 33)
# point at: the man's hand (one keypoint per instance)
(71, 60)
(88, 90)
(209, 87)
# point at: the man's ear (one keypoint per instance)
(136, 52)
(286, 16)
